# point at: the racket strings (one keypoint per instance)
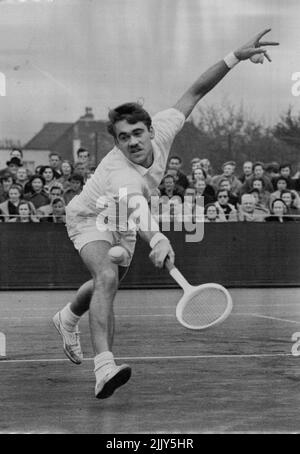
(205, 307)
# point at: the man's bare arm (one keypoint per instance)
(210, 78)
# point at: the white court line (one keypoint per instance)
(153, 358)
(47, 311)
(275, 318)
(132, 316)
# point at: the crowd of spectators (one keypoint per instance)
(43, 195)
(261, 193)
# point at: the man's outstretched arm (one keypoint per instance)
(210, 78)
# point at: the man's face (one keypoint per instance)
(247, 168)
(205, 164)
(83, 156)
(80, 169)
(21, 174)
(55, 192)
(258, 171)
(257, 184)
(198, 174)
(285, 172)
(248, 203)
(228, 170)
(225, 185)
(66, 168)
(281, 185)
(169, 183)
(196, 165)
(7, 184)
(16, 154)
(134, 140)
(54, 161)
(190, 195)
(223, 198)
(174, 163)
(75, 185)
(14, 195)
(13, 169)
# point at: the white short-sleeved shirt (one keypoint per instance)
(115, 171)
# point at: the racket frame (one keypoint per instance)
(190, 292)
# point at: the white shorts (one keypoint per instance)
(81, 223)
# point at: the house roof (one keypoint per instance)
(48, 135)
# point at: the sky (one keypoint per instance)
(59, 56)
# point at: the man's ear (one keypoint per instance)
(152, 132)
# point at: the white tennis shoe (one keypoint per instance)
(118, 376)
(71, 340)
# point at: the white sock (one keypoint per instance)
(68, 318)
(104, 362)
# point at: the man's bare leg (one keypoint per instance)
(101, 316)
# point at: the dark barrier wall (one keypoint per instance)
(39, 256)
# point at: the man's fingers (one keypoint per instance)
(256, 51)
(268, 43)
(261, 34)
(268, 56)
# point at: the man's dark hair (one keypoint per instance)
(81, 150)
(5, 176)
(56, 187)
(58, 199)
(253, 191)
(272, 167)
(168, 175)
(222, 190)
(282, 179)
(76, 177)
(175, 157)
(132, 112)
(284, 165)
(40, 177)
(259, 179)
(258, 163)
(53, 153)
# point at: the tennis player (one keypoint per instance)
(131, 171)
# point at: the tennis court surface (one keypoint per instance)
(240, 376)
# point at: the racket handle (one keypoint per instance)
(168, 265)
(177, 276)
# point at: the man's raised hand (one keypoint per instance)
(255, 47)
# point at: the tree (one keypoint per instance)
(233, 135)
(287, 129)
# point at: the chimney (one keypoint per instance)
(88, 114)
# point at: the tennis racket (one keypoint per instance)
(201, 306)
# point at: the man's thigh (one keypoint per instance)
(95, 257)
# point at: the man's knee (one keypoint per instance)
(107, 279)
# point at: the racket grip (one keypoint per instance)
(168, 265)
